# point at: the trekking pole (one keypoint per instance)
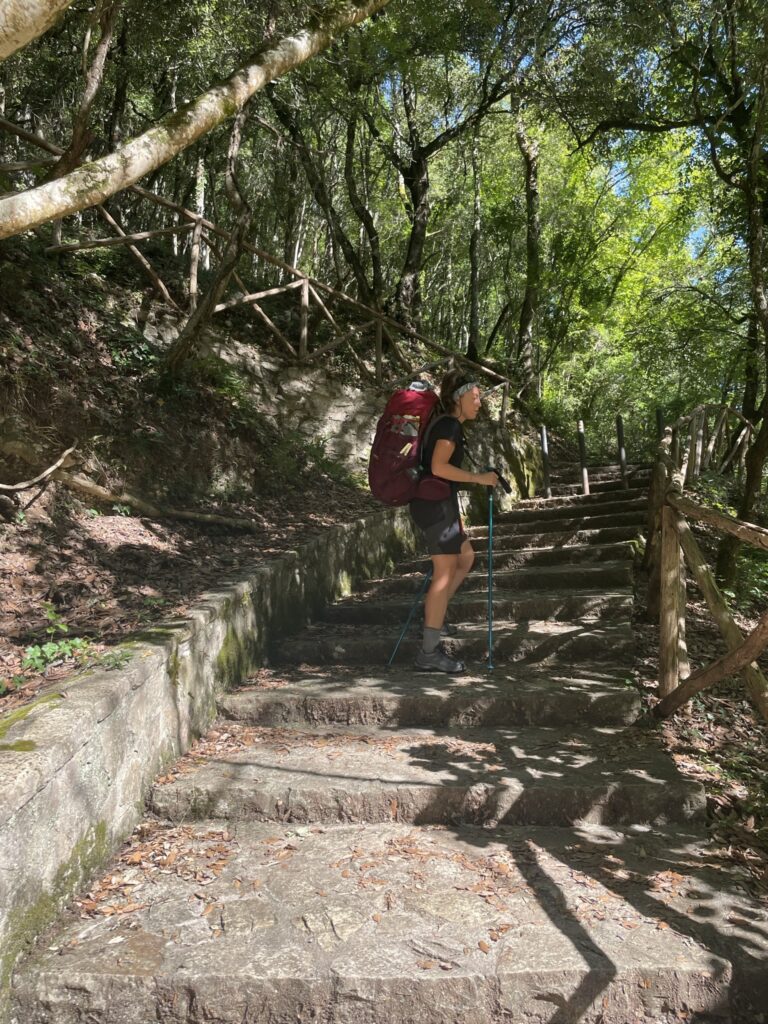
(422, 588)
(508, 489)
(490, 579)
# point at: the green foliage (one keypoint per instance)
(38, 657)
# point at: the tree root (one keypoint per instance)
(78, 482)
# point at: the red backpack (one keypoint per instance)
(394, 468)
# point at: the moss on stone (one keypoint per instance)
(235, 659)
(20, 746)
(8, 721)
(26, 922)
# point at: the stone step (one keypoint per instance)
(548, 512)
(473, 606)
(582, 499)
(595, 486)
(400, 697)
(572, 470)
(559, 538)
(511, 776)
(509, 558)
(591, 520)
(526, 643)
(389, 924)
(607, 575)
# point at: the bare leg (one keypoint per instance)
(466, 559)
(444, 568)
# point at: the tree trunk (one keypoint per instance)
(93, 182)
(288, 118)
(94, 76)
(754, 192)
(186, 343)
(21, 21)
(408, 291)
(473, 345)
(529, 149)
(751, 372)
(364, 214)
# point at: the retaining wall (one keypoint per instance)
(77, 764)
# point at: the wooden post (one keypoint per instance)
(379, 351)
(504, 405)
(652, 557)
(304, 335)
(545, 462)
(688, 457)
(659, 424)
(194, 262)
(583, 459)
(674, 450)
(697, 431)
(622, 451)
(730, 632)
(669, 612)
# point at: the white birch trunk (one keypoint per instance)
(94, 182)
(21, 21)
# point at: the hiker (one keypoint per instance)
(440, 520)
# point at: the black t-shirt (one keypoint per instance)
(446, 428)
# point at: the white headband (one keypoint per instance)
(463, 390)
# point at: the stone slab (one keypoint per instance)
(341, 696)
(77, 768)
(615, 503)
(527, 642)
(575, 554)
(512, 775)
(267, 924)
(605, 575)
(606, 604)
(587, 520)
(558, 538)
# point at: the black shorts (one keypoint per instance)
(440, 524)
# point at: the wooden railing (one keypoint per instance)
(621, 455)
(710, 438)
(374, 332)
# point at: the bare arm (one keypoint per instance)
(442, 467)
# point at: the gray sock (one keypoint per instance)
(431, 639)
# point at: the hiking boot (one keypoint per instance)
(438, 661)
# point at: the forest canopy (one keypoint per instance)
(573, 192)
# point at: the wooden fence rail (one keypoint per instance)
(712, 436)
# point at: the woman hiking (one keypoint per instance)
(440, 520)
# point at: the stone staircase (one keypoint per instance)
(367, 846)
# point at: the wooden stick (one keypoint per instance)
(698, 443)
(275, 330)
(714, 437)
(735, 448)
(27, 165)
(304, 320)
(139, 236)
(669, 613)
(138, 256)
(726, 665)
(313, 356)
(756, 681)
(583, 458)
(255, 296)
(26, 484)
(323, 309)
(379, 353)
(194, 263)
(757, 536)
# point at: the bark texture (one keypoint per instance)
(93, 182)
(21, 21)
